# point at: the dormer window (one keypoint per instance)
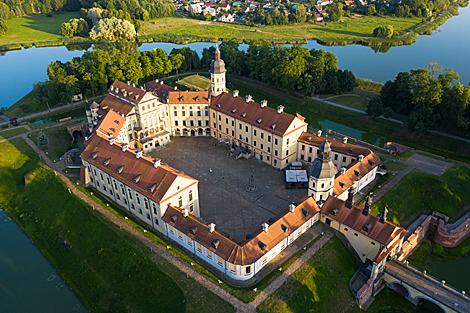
(367, 227)
(120, 169)
(244, 114)
(273, 126)
(334, 211)
(106, 163)
(234, 110)
(216, 243)
(152, 188)
(94, 155)
(137, 179)
(259, 120)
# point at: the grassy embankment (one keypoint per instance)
(107, 268)
(38, 30)
(420, 192)
(5, 134)
(322, 285)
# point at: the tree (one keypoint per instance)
(207, 56)
(42, 140)
(335, 11)
(176, 61)
(300, 13)
(5, 13)
(383, 32)
(113, 28)
(374, 107)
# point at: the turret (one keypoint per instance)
(322, 174)
(217, 74)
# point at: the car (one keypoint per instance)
(14, 121)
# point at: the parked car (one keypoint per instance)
(14, 122)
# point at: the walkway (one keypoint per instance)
(291, 270)
(428, 286)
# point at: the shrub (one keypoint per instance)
(43, 141)
(49, 14)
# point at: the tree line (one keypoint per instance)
(291, 68)
(429, 98)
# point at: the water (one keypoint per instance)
(20, 69)
(28, 282)
(455, 272)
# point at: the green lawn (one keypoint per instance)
(5, 134)
(15, 109)
(108, 269)
(420, 192)
(396, 166)
(198, 81)
(60, 141)
(357, 99)
(35, 28)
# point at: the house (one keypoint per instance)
(195, 8)
(224, 7)
(210, 11)
(245, 9)
(226, 18)
(319, 17)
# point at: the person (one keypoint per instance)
(210, 170)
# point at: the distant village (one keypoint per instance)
(246, 11)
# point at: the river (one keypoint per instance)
(28, 282)
(456, 272)
(20, 69)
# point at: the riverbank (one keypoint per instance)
(40, 31)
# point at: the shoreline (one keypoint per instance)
(408, 38)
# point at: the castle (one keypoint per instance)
(133, 121)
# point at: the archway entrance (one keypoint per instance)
(193, 133)
(430, 305)
(400, 289)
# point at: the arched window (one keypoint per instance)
(180, 201)
(190, 195)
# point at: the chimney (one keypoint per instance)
(349, 202)
(156, 162)
(124, 93)
(138, 154)
(235, 93)
(343, 170)
(116, 90)
(176, 87)
(161, 82)
(125, 147)
(345, 140)
(133, 84)
(111, 88)
(128, 82)
(112, 140)
(248, 98)
(366, 209)
(265, 227)
(264, 103)
(142, 88)
(156, 80)
(361, 158)
(280, 109)
(291, 208)
(211, 227)
(383, 217)
(319, 133)
(185, 212)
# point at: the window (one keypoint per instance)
(140, 211)
(154, 208)
(233, 123)
(261, 146)
(248, 270)
(180, 201)
(220, 118)
(246, 139)
(190, 242)
(241, 137)
(287, 152)
(220, 261)
(287, 142)
(262, 135)
(176, 123)
(226, 120)
(246, 128)
(226, 130)
(156, 221)
(275, 152)
(269, 149)
(254, 143)
(170, 228)
(138, 198)
(148, 216)
(190, 195)
(198, 113)
(180, 235)
(209, 254)
(310, 149)
(183, 113)
(232, 268)
(207, 113)
(303, 147)
(322, 186)
(283, 245)
(336, 157)
(254, 132)
(199, 123)
(184, 123)
(191, 123)
(175, 113)
(233, 133)
(275, 141)
(220, 127)
(355, 234)
(275, 162)
(269, 138)
(198, 247)
(240, 126)
(132, 206)
(372, 243)
(264, 260)
(344, 159)
(213, 115)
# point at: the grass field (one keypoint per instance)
(198, 81)
(420, 192)
(357, 27)
(357, 99)
(12, 132)
(108, 269)
(396, 166)
(35, 28)
(60, 141)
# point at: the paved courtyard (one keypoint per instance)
(428, 164)
(223, 198)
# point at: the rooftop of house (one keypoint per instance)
(369, 224)
(251, 249)
(129, 92)
(182, 97)
(139, 173)
(251, 112)
(117, 105)
(110, 124)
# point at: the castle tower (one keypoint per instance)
(217, 74)
(322, 174)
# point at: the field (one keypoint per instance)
(197, 81)
(35, 28)
(359, 27)
(357, 99)
(420, 192)
(106, 267)
(12, 133)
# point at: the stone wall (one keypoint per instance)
(413, 241)
(451, 238)
(365, 293)
(359, 142)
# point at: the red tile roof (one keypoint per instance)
(248, 251)
(163, 176)
(193, 97)
(111, 124)
(118, 105)
(383, 233)
(159, 89)
(134, 94)
(226, 103)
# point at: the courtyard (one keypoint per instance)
(223, 198)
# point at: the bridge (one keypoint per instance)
(418, 286)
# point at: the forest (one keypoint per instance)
(429, 98)
(294, 69)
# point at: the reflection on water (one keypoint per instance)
(28, 282)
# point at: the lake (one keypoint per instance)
(20, 69)
(28, 282)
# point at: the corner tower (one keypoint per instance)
(217, 74)
(322, 174)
